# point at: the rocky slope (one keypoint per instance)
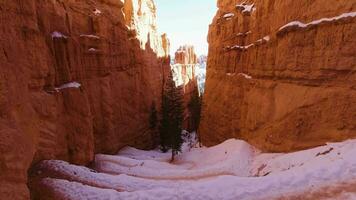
(281, 73)
(76, 78)
(184, 67)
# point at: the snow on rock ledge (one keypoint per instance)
(246, 76)
(69, 85)
(97, 12)
(229, 15)
(244, 48)
(57, 34)
(297, 24)
(238, 47)
(89, 36)
(245, 8)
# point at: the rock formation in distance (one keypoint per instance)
(184, 72)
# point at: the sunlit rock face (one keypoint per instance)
(184, 74)
(185, 55)
(185, 61)
(281, 74)
(140, 17)
(76, 78)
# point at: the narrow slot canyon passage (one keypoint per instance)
(177, 99)
(187, 24)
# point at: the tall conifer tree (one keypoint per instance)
(153, 116)
(172, 118)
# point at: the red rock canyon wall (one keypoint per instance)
(76, 78)
(281, 73)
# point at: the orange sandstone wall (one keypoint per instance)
(111, 48)
(281, 88)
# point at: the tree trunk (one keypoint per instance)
(199, 139)
(172, 158)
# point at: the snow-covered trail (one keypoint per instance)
(233, 158)
(231, 170)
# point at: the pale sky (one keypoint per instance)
(186, 22)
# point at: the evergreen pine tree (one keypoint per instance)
(153, 116)
(172, 118)
(195, 109)
(153, 125)
(195, 106)
(164, 125)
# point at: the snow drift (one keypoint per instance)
(231, 170)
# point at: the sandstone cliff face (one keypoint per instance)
(281, 86)
(185, 63)
(76, 78)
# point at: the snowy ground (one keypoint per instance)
(232, 170)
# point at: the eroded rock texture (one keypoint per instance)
(185, 63)
(281, 88)
(76, 78)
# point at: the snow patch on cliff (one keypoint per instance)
(57, 34)
(93, 50)
(266, 38)
(231, 170)
(245, 8)
(244, 34)
(228, 15)
(69, 85)
(238, 47)
(299, 24)
(245, 75)
(246, 47)
(89, 36)
(96, 11)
